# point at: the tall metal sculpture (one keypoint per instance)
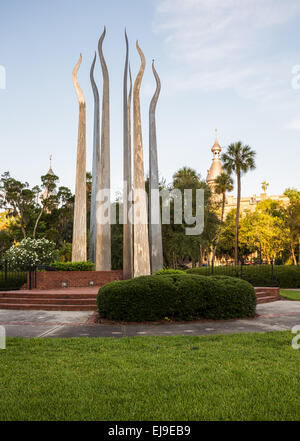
(127, 226)
(155, 235)
(79, 224)
(95, 167)
(130, 168)
(103, 251)
(141, 240)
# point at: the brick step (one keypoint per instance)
(267, 289)
(21, 295)
(42, 301)
(43, 307)
(267, 299)
(264, 294)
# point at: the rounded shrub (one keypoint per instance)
(233, 298)
(177, 296)
(141, 299)
(192, 295)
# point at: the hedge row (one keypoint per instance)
(165, 272)
(179, 297)
(72, 266)
(260, 275)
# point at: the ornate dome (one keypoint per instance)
(215, 170)
(216, 167)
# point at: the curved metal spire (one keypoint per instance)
(102, 59)
(93, 83)
(103, 252)
(155, 234)
(78, 90)
(130, 88)
(79, 222)
(157, 91)
(140, 236)
(138, 80)
(95, 167)
(127, 236)
(129, 129)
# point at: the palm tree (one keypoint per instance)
(238, 159)
(186, 178)
(223, 183)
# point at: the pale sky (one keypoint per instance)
(222, 63)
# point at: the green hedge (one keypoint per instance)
(73, 266)
(165, 272)
(179, 297)
(258, 275)
(141, 299)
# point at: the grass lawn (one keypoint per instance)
(290, 295)
(228, 377)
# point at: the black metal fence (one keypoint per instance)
(259, 274)
(12, 278)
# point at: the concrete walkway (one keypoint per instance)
(276, 316)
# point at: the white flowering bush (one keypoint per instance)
(31, 253)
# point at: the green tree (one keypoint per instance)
(186, 178)
(5, 241)
(264, 230)
(50, 216)
(238, 159)
(18, 200)
(293, 222)
(226, 246)
(179, 248)
(49, 199)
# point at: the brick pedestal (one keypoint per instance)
(78, 279)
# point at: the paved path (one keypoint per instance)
(276, 316)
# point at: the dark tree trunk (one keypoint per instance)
(293, 255)
(22, 225)
(201, 255)
(237, 219)
(36, 223)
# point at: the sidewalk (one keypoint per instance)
(276, 316)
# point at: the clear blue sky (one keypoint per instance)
(222, 63)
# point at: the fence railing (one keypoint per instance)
(258, 272)
(12, 277)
